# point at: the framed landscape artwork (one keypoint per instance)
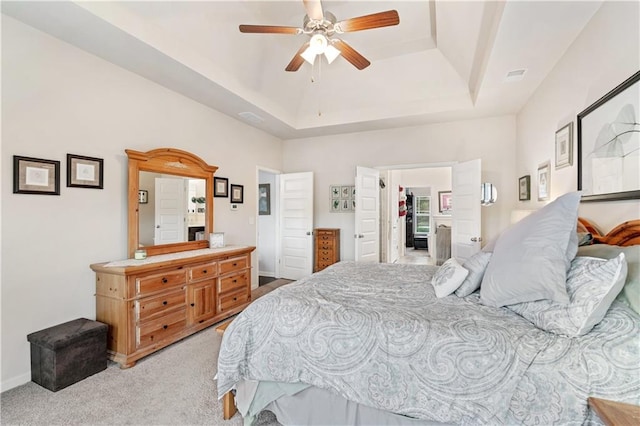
(524, 188)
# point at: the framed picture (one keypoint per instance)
(444, 202)
(220, 187)
(237, 194)
(264, 199)
(36, 176)
(143, 196)
(609, 144)
(524, 188)
(345, 192)
(564, 146)
(84, 172)
(335, 205)
(544, 181)
(335, 191)
(216, 240)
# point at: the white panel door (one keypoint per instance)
(367, 226)
(170, 208)
(296, 225)
(466, 219)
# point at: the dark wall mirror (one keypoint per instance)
(176, 212)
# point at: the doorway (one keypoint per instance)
(267, 226)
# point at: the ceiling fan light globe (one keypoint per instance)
(331, 53)
(309, 55)
(318, 44)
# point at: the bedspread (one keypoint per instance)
(377, 335)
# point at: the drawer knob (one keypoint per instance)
(235, 264)
(235, 281)
(193, 304)
(204, 271)
(164, 303)
(235, 298)
(164, 281)
(165, 326)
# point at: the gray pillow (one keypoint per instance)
(630, 294)
(531, 258)
(592, 285)
(476, 265)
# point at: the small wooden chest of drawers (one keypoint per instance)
(327, 248)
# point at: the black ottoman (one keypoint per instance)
(67, 353)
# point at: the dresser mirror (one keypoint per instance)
(170, 201)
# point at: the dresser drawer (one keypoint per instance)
(233, 282)
(156, 330)
(155, 305)
(233, 264)
(323, 233)
(151, 283)
(232, 300)
(206, 270)
(325, 253)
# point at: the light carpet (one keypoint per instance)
(174, 386)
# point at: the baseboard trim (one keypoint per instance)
(15, 382)
(266, 274)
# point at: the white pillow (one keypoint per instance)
(531, 259)
(476, 265)
(448, 277)
(592, 285)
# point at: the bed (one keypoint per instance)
(373, 344)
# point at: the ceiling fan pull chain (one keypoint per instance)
(319, 90)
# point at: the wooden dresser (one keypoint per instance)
(327, 248)
(149, 304)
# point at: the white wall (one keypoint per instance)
(606, 53)
(57, 99)
(333, 159)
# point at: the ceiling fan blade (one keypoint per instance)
(314, 9)
(349, 53)
(297, 60)
(367, 22)
(269, 29)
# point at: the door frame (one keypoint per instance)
(384, 212)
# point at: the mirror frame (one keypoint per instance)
(174, 162)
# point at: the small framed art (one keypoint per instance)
(544, 181)
(444, 202)
(85, 172)
(524, 188)
(564, 146)
(143, 196)
(36, 176)
(237, 194)
(220, 187)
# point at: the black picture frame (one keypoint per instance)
(524, 188)
(237, 194)
(85, 172)
(220, 187)
(597, 127)
(264, 199)
(36, 176)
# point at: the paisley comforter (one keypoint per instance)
(377, 335)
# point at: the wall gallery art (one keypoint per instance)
(343, 198)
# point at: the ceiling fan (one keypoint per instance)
(321, 26)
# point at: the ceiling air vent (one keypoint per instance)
(515, 75)
(251, 117)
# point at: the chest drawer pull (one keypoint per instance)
(165, 326)
(164, 281)
(193, 304)
(204, 271)
(164, 302)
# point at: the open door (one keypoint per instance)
(367, 229)
(170, 208)
(296, 225)
(466, 218)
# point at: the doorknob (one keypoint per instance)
(476, 239)
(359, 235)
(157, 226)
(309, 233)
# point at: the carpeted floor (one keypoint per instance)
(174, 386)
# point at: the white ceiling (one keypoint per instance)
(446, 60)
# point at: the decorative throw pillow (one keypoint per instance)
(531, 258)
(448, 277)
(630, 294)
(592, 285)
(476, 265)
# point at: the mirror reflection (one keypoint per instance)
(489, 194)
(174, 211)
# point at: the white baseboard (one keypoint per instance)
(15, 382)
(266, 273)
